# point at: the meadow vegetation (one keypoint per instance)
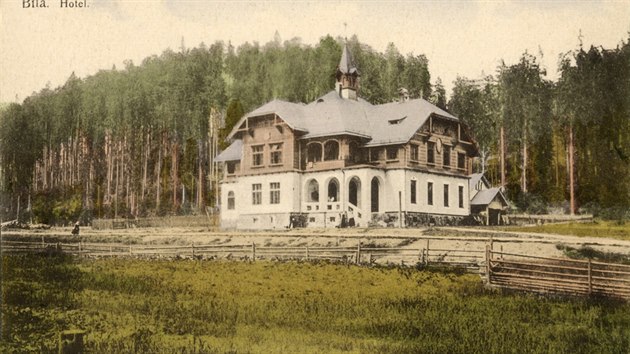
(598, 228)
(192, 306)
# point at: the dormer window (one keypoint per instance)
(396, 121)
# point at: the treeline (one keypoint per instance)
(140, 141)
(546, 141)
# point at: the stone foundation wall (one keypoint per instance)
(414, 219)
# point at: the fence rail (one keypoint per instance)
(356, 254)
(556, 275)
(500, 269)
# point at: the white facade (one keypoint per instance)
(342, 161)
(360, 194)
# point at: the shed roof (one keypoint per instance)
(232, 153)
(487, 196)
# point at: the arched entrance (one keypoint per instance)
(354, 191)
(333, 190)
(375, 189)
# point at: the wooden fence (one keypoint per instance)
(556, 275)
(500, 269)
(356, 254)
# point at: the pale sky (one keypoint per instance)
(465, 38)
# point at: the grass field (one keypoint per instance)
(130, 305)
(600, 228)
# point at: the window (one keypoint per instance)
(331, 150)
(314, 152)
(257, 155)
(446, 195)
(333, 190)
(256, 194)
(392, 153)
(312, 191)
(355, 154)
(230, 201)
(231, 168)
(274, 193)
(413, 191)
(430, 193)
(396, 121)
(461, 160)
(375, 154)
(414, 152)
(430, 153)
(276, 153)
(446, 156)
(461, 196)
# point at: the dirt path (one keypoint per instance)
(528, 243)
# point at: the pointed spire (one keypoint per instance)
(347, 75)
(346, 64)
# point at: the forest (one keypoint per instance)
(140, 141)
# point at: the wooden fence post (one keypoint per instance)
(427, 252)
(488, 260)
(80, 247)
(253, 251)
(307, 254)
(590, 277)
(43, 243)
(359, 253)
(130, 249)
(192, 247)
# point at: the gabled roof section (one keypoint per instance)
(333, 115)
(476, 177)
(486, 197)
(234, 152)
(346, 64)
(291, 113)
(409, 117)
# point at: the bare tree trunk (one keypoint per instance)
(45, 172)
(174, 153)
(502, 154)
(117, 182)
(145, 164)
(110, 169)
(158, 173)
(200, 184)
(571, 182)
(524, 172)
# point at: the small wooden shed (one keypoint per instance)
(486, 203)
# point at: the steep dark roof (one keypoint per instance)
(332, 115)
(346, 64)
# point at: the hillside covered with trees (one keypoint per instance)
(140, 141)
